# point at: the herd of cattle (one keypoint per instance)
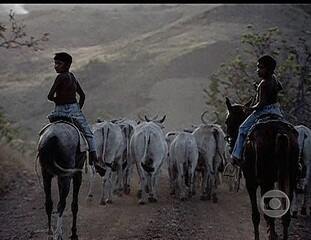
(195, 158)
(189, 154)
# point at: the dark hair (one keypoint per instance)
(64, 57)
(268, 62)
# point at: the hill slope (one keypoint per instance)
(141, 58)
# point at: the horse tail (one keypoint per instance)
(48, 154)
(282, 155)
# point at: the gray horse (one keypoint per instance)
(59, 155)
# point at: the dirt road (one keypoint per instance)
(23, 215)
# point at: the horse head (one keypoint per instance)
(237, 113)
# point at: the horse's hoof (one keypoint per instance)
(74, 237)
(102, 202)
(141, 202)
(303, 211)
(109, 201)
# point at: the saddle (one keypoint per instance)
(54, 120)
(271, 118)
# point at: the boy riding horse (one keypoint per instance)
(266, 102)
(65, 88)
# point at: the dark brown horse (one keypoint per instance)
(270, 156)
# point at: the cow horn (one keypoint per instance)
(202, 117)
(170, 133)
(162, 120)
(140, 117)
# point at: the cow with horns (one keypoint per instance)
(109, 148)
(149, 150)
(124, 181)
(210, 140)
(182, 162)
(304, 184)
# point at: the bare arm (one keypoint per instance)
(53, 90)
(260, 97)
(81, 94)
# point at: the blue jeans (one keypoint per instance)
(248, 123)
(73, 111)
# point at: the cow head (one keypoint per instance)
(159, 122)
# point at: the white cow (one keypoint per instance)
(149, 150)
(109, 148)
(304, 141)
(172, 168)
(183, 159)
(211, 146)
(123, 184)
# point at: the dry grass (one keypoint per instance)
(12, 167)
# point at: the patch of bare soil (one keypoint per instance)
(23, 215)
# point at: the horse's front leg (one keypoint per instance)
(77, 179)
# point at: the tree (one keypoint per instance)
(234, 78)
(16, 35)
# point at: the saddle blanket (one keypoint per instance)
(82, 140)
